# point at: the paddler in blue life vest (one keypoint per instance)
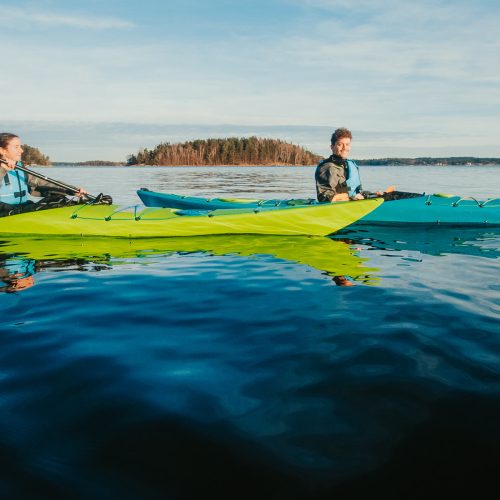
(17, 187)
(338, 179)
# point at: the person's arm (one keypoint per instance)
(42, 187)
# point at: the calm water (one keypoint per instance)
(237, 367)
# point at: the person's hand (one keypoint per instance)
(81, 193)
(389, 189)
(8, 164)
(359, 196)
(340, 197)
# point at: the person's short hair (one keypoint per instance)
(340, 133)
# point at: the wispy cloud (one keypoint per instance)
(30, 16)
(445, 41)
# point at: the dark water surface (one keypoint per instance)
(237, 367)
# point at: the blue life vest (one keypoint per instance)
(14, 188)
(354, 180)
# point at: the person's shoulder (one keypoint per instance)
(323, 166)
(328, 163)
(325, 161)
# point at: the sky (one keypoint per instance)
(102, 79)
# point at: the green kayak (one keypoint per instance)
(141, 222)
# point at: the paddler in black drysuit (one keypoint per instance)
(337, 178)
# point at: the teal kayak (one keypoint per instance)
(417, 209)
(142, 222)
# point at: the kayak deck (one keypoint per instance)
(411, 208)
(436, 209)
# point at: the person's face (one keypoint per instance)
(342, 147)
(13, 151)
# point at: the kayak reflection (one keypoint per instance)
(16, 273)
(430, 240)
(334, 258)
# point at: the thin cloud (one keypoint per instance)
(406, 41)
(27, 15)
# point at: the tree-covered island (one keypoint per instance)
(230, 151)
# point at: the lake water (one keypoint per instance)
(237, 367)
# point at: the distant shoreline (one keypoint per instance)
(389, 162)
(468, 161)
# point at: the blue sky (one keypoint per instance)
(100, 79)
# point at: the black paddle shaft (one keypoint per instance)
(68, 187)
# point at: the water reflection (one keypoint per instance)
(25, 256)
(243, 182)
(337, 256)
(16, 273)
(430, 240)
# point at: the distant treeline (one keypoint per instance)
(230, 151)
(453, 160)
(94, 163)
